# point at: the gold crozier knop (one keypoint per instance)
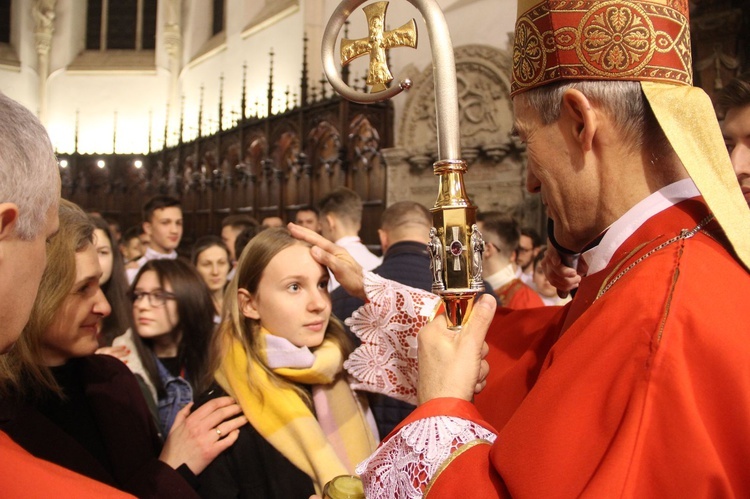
(376, 44)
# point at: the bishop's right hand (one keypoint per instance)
(346, 270)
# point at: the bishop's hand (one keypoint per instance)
(452, 364)
(346, 270)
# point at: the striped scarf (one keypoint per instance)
(331, 445)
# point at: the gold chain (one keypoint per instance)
(684, 234)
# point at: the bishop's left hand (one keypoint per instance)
(452, 364)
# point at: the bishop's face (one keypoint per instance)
(569, 188)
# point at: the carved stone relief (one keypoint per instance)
(496, 176)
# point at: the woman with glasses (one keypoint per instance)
(173, 315)
(85, 412)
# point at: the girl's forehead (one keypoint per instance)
(294, 260)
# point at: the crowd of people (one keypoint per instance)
(594, 363)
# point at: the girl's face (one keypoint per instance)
(76, 325)
(104, 250)
(213, 266)
(292, 299)
(154, 307)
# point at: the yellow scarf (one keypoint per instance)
(331, 445)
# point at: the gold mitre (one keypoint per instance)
(648, 42)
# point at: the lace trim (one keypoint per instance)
(404, 466)
(388, 324)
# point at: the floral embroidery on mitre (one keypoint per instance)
(388, 324)
(611, 40)
(405, 464)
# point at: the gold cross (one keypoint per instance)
(376, 43)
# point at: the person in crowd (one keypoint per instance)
(546, 291)
(212, 258)
(173, 313)
(501, 235)
(29, 197)
(341, 220)
(113, 283)
(279, 352)
(231, 227)
(529, 246)
(130, 245)
(273, 221)
(638, 387)
(309, 217)
(734, 101)
(162, 223)
(243, 238)
(85, 412)
(116, 337)
(115, 230)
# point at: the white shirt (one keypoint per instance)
(599, 256)
(149, 255)
(353, 245)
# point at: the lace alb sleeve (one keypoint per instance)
(388, 324)
(405, 464)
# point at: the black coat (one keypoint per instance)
(251, 468)
(129, 439)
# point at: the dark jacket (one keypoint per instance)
(129, 437)
(251, 468)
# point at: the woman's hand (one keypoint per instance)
(347, 271)
(197, 438)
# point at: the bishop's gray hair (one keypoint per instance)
(28, 167)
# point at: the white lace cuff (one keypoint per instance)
(405, 465)
(388, 324)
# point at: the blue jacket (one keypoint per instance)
(179, 394)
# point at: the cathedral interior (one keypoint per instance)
(224, 104)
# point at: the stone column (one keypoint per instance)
(43, 12)
(173, 46)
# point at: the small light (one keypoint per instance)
(101, 163)
(138, 163)
(63, 163)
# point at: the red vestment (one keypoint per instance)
(639, 387)
(517, 295)
(24, 475)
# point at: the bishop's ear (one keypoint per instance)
(580, 116)
(247, 304)
(8, 219)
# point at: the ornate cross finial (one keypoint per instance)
(378, 41)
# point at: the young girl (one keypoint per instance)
(173, 315)
(279, 351)
(211, 259)
(85, 412)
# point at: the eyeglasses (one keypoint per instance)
(155, 298)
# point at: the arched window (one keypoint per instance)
(121, 25)
(218, 18)
(4, 21)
